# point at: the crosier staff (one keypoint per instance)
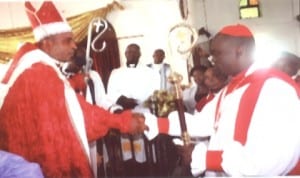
(176, 79)
(98, 23)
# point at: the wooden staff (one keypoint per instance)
(176, 79)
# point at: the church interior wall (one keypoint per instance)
(148, 23)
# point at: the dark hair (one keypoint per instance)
(200, 68)
(160, 50)
(134, 45)
(287, 55)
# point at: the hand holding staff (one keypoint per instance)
(176, 79)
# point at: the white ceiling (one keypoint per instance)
(13, 14)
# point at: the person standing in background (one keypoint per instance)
(130, 86)
(197, 91)
(215, 80)
(288, 63)
(163, 69)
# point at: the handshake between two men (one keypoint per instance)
(191, 155)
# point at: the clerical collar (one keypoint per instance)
(157, 66)
(63, 69)
(131, 65)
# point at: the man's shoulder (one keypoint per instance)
(39, 71)
(118, 71)
(166, 65)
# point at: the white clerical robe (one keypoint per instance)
(103, 101)
(188, 97)
(138, 83)
(272, 143)
(164, 71)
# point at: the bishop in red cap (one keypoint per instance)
(46, 20)
(252, 131)
(228, 44)
(237, 30)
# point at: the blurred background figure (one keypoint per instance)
(288, 63)
(162, 68)
(297, 78)
(214, 80)
(197, 91)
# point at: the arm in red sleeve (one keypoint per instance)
(214, 160)
(163, 125)
(98, 120)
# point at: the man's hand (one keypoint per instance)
(151, 126)
(185, 152)
(127, 103)
(198, 164)
(118, 111)
(137, 125)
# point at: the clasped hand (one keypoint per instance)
(137, 124)
(185, 153)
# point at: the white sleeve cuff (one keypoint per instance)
(232, 155)
(115, 107)
(151, 122)
(198, 164)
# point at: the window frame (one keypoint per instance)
(249, 6)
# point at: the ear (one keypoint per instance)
(46, 44)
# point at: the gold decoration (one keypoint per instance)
(10, 39)
(161, 103)
(176, 78)
(183, 37)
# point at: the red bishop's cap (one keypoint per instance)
(236, 31)
(46, 20)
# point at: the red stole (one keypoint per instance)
(204, 100)
(250, 96)
(246, 108)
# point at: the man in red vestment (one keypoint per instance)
(41, 117)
